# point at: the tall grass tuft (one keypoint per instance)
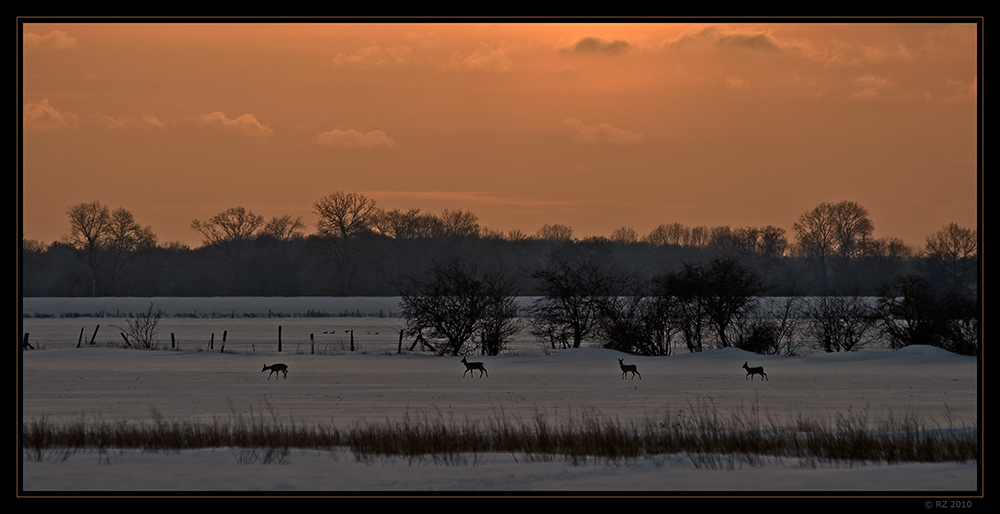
(699, 430)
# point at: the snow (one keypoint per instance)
(329, 384)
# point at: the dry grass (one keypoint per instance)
(709, 437)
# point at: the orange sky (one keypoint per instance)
(595, 126)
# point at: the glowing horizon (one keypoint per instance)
(591, 125)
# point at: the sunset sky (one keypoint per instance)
(591, 125)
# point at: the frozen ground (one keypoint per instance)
(329, 384)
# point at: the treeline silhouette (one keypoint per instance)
(359, 249)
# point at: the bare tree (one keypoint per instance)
(712, 296)
(233, 225)
(459, 301)
(283, 228)
(125, 239)
(634, 319)
(913, 313)
(88, 225)
(345, 215)
(699, 237)
(343, 219)
(841, 323)
(106, 240)
(952, 254)
(733, 289)
(411, 224)
(671, 234)
(568, 309)
(460, 223)
(230, 232)
(499, 322)
(143, 329)
(689, 291)
(841, 230)
(554, 232)
(624, 235)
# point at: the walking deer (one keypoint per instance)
(275, 368)
(626, 368)
(472, 366)
(755, 371)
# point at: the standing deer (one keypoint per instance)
(275, 368)
(755, 371)
(471, 366)
(626, 368)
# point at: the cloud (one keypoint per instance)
(375, 56)
(246, 124)
(602, 133)
(963, 91)
(872, 87)
(42, 116)
(714, 37)
(593, 44)
(485, 59)
(736, 82)
(754, 42)
(53, 40)
(110, 122)
(117, 122)
(150, 119)
(355, 139)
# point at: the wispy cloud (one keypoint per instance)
(872, 87)
(602, 133)
(485, 59)
(375, 56)
(963, 91)
(152, 120)
(111, 122)
(246, 124)
(52, 40)
(146, 121)
(351, 138)
(465, 197)
(43, 116)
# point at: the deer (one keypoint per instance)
(275, 368)
(759, 370)
(626, 368)
(472, 366)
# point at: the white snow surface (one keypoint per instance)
(329, 384)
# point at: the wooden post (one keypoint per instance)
(312, 344)
(80, 340)
(173, 343)
(126, 339)
(279, 338)
(93, 337)
(224, 334)
(399, 349)
(211, 342)
(25, 345)
(352, 340)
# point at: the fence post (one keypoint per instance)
(312, 344)
(279, 338)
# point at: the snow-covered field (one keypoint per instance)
(329, 384)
